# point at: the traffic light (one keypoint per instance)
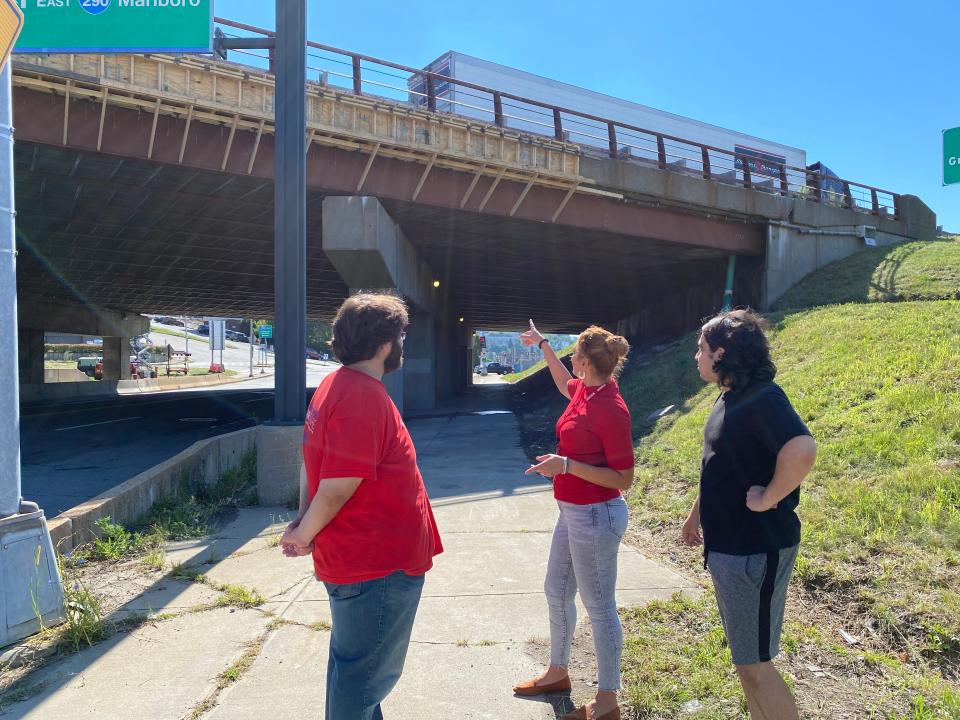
(483, 340)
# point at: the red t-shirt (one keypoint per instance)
(353, 429)
(594, 429)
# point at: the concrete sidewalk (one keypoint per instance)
(482, 609)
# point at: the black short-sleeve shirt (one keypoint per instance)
(744, 433)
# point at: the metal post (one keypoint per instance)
(728, 289)
(32, 592)
(250, 342)
(9, 381)
(290, 215)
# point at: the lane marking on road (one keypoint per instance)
(199, 419)
(105, 422)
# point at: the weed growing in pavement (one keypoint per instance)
(238, 596)
(179, 571)
(155, 559)
(84, 623)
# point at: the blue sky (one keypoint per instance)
(865, 87)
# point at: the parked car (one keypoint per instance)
(88, 366)
(167, 320)
(236, 336)
(313, 354)
(203, 329)
(480, 369)
(499, 368)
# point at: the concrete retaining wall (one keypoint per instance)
(202, 462)
(279, 455)
(61, 375)
(793, 254)
(67, 390)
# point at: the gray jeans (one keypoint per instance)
(584, 555)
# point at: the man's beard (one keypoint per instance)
(393, 361)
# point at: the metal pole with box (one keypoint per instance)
(35, 597)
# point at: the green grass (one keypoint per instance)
(201, 371)
(537, 366)
(922, 270)
(675, 653)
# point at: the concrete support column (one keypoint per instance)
(30, 351)
(279, 456)
(116, 358)
(369, 250)
(419, 364)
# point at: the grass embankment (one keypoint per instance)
(879, 386)
(537, 366)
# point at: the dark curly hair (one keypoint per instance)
(365, 322)
(746, 352)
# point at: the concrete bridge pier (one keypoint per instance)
(36, 315)
(370, 252)
(30, 351)
(116, 358)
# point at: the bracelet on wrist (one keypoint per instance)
(566, 465)
(540, 344)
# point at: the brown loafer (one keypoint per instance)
(581, 714)
(530, 687)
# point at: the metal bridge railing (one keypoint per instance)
(596, 136)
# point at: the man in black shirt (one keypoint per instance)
(756, 452)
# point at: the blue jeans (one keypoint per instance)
(372, 621)
(584, 555)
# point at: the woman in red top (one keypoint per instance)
(593, 464)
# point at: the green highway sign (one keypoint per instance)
(951, 156)
(265, 331)
(116, 26)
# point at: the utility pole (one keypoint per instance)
(290, 214)
(25, 547)
(289, 64)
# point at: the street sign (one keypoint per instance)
(265, 331)
(951, 156)
(121, 26)
(217, 333)
(11, 22)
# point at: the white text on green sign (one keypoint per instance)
(91, 26)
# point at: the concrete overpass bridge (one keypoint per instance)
(144, 184)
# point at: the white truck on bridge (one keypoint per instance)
(529, 118)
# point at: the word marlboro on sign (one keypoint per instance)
(121, 26)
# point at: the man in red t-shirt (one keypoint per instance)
(364, 511)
